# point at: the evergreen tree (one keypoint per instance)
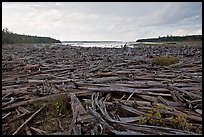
(11, 38)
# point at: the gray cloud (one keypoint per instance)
(175, 14)
(102, 21)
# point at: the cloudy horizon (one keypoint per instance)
(121, 21)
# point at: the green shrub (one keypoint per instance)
(155, 117)
(164, 60)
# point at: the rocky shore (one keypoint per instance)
(61, 89)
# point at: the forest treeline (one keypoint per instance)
(9, 37)
(173, 39)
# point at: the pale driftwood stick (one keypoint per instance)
(127, 132)
(196, 101)
(180, 85)
(96, 102)
(60, 133)
(26, 127)
(52, 70)
(105, 74)
(130, 96)
(23, 110)
(18, 117)
(10, 87)
(45, 71)
(12, 83)
(148, 98)
(60, 125)
(145, 66)
(76, 104)
(187, 80)
(115, 88)
(155, 129)
(39, 131)
(100, 119)
(29, 66)
(18, 113)
(144, 78)
(95, 69)
(10, 62)
(132, 110)
(5, 100)
(170, 103)
(127, 71)
(98, 85)
(165, 76)
(60, 88)
(131, 102)
(74, 131)
(123, 96)
(6, 115)
(194, 88)
(30, 118)
(129, 119)
(139, 85)
(97, 116)
(50, 81)
(106, 79)
(162, 100)
(174, 95)
(122, 64)
(77, 109)
(111, 89)
(85, 118)
(88, 101)
(72, 125)
(108, 96)
(102, 108)
(10, 102)
(199, 111)
(7, 95)
(78, 129)
(155, 90)
(27, 130)
(183, 91)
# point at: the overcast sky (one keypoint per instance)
(123, 21)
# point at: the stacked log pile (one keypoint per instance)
(100, 90)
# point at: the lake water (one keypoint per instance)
(105, 44)
(96, 44)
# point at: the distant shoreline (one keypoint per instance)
(172, 39)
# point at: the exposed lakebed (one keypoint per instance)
(61, 89)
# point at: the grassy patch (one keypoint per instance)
(164, 60)
(59, 105)
(154, 117)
